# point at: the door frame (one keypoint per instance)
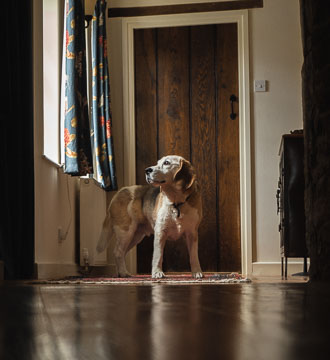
(128, 25)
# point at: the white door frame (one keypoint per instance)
(241, 18)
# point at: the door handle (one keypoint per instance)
(232, 99)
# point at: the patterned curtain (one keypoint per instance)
(78, 154)
(101, 111)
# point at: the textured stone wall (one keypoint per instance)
(315, 21)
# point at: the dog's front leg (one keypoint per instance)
(192, 244)
(157, 258)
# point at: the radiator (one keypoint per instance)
(92, 213)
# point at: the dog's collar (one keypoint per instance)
(178, 205)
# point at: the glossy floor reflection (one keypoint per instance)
(263, 321)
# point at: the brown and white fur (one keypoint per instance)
(170, 207)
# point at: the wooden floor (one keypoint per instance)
(263, 320)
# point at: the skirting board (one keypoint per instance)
(274, 268)
(55, 271)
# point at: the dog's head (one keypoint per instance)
(171, 170)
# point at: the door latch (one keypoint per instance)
(233, 98)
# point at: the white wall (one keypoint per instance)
(55, 193)
(275, 56)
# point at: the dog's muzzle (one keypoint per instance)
(150, 180)
(148, 171)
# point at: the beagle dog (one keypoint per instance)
(170, 207)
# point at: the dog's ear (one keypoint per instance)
(185, 173)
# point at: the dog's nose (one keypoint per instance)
(148, 170)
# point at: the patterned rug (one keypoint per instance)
(177, 279)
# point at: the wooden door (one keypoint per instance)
(184, 78)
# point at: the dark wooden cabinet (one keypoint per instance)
(290, 199)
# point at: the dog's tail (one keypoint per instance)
(106, 234)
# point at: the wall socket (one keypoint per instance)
(260, 85)
(61, 236)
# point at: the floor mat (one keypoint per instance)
(232, 278)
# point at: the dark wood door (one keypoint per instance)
(184, 77)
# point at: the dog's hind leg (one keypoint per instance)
(138, 237)
(106, 234)
(120, 251)
(125, 242)
(126, 239)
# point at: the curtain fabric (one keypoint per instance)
(101, 110)
(78, 154)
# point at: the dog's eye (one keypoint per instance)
(166, 163)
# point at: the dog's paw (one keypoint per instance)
(158, 274)
(197, 275)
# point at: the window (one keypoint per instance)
(53, 19)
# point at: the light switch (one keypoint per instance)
(259, 85)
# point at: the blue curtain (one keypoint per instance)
(78, 154)
(101, 110)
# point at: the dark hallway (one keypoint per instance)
(274, 320)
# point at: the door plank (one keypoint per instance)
(203, 136)
(173, 107)
(145, 106)
(145, 122)
(173, 91)
(228, 145)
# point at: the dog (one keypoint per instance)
(170, 207)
